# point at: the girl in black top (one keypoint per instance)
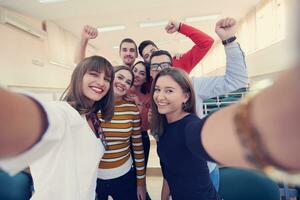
(242, 135)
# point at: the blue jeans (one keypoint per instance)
(215, 178)
(121, 188)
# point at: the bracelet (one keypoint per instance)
(229, 40)
(255, 151)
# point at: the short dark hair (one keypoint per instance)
(128, 40)
(145, 89)
(144, 44)
(161, 52)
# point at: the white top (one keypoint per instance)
(64, 162)
(111, 173)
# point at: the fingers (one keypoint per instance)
(172, 26)
(169, 26)
(226, 22)
(90, 31)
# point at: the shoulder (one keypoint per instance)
(193, 124)
(62, 112)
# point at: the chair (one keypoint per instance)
(18, 187)
(242, 184)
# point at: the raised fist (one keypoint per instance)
(226, 28)
(89, 32)
(172, 26)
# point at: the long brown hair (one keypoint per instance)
(123, 67)
(74, 94)
(182, 78)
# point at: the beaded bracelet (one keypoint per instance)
(255, 151)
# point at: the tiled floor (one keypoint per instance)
(154, 178)
(154, 184)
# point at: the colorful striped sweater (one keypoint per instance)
(122, 133)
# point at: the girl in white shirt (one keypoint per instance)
(57, 139)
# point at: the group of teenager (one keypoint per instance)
(95, 142)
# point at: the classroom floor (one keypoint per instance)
(154, 177)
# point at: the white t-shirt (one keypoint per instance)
(64, 162)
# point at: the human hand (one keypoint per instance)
(226, 28)
(172, 26)
(89, 32)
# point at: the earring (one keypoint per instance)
(184, 105)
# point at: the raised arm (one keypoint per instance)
(274, 113)
(236, 72)
(88, 32)
(22, 123)
(203, 42)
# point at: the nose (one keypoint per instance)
(136, 75)
(100, 81)
(160, 96)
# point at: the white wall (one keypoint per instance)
(19, 49)
(264, 35)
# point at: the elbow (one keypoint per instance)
(210, 42)
(242, 83)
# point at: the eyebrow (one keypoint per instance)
(169, 87)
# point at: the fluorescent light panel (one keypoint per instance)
(111, 28)
(50, 1)
(152, 24)
(202, 18)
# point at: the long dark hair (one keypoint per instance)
(74, 94)
(182, 78)
(145, 89)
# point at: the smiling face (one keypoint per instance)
(95, 85)
(139, 71)
(147, 52)
(122, 83)
(169, 97)
(128, 53)
(157, 63)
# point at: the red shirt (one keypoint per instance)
(191, 58)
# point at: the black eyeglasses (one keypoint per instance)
(160, 66)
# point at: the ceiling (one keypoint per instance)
(74, 14)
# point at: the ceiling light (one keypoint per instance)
(111, 28)
(152, 24)
(51, 1)
(202, 18)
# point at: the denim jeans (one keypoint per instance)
(215, 178)
(121, 188)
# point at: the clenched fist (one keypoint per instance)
(89, 32)
(226, 28)
(172, 27)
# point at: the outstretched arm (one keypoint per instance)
(88, 32)
(22, 123)
(203, 42)
(275, 113)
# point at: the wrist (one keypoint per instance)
(179, 26)
(228, 40)
(84, 40)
